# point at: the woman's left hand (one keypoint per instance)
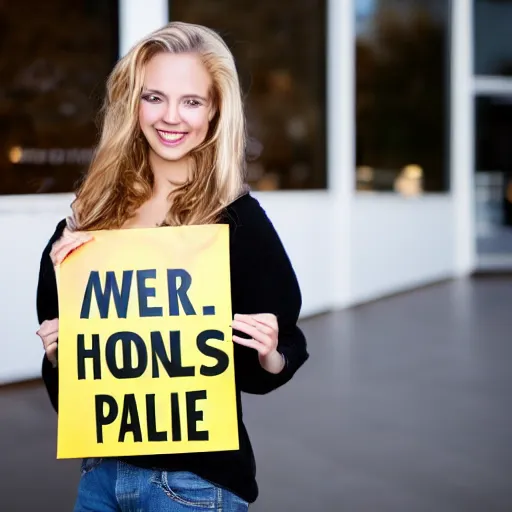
(264, 331)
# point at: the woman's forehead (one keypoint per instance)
(182, 73)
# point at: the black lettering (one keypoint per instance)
(127, 370)
(153, 434)
(103, 296)
(175, 417)
(101, 418)
(221, 357)
(177, 293)
(172, 366)
(193, 416)
(84, 353)
(144, 292)
(130, 420)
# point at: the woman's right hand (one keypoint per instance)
(49, 334)
(67, 243)
(49, 330)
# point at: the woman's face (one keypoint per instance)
(176, 105)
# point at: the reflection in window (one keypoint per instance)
(492, 28)
(279, 48)
(402, 92)
(493, 179)
(54, 59)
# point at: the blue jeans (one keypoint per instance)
(109, 485)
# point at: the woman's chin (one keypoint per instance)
(171, 154)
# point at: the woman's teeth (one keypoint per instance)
(171, 136)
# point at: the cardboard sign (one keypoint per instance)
(145, 347)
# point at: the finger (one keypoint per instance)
(253, 332)
(70, 244)
(267, 319)
(48, 326)
(60, 250)
(64, 251)
(264, 318)
(51, 354)
(70, 238)
(251, 320)
(47, 333)
(251, 343)
(75, 235)
(63, 241)
(48, 340)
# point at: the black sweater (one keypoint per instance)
(262, 281)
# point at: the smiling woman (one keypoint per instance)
(176, 108)
(184, 100)
(172, 152)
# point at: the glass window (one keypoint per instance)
(54, 59)
(492, 28)
(280, 52)
(402, 95)
(493, 126)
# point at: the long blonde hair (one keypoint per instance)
(119, 179)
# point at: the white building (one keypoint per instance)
(347, 246)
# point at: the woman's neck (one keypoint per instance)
(167, 175)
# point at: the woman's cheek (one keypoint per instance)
(197, 120)
(148, 115)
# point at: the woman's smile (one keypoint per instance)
(171, 138)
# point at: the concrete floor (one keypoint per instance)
(404, 406)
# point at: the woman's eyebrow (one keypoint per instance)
(154, 91)
(196, 96)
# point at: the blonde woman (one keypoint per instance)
(171, 152)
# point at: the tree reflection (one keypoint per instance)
(402, 92)
(54, 59)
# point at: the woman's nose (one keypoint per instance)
(172, 115)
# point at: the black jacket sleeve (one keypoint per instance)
(264, 282)
(47, 303)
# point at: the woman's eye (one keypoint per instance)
(151, 98)
(192, 103)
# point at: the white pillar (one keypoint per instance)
(341, 141)
(138, 18)
(462, 137)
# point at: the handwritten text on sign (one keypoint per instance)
(145, 351)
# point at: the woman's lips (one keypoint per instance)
(171, 138)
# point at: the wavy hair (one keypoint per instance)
(119, 179)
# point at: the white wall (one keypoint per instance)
(399, 243)
(26, 224)
(300, 220)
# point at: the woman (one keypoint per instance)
(171, 152)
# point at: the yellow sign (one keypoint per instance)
(145, 349)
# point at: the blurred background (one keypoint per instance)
(384, 129)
